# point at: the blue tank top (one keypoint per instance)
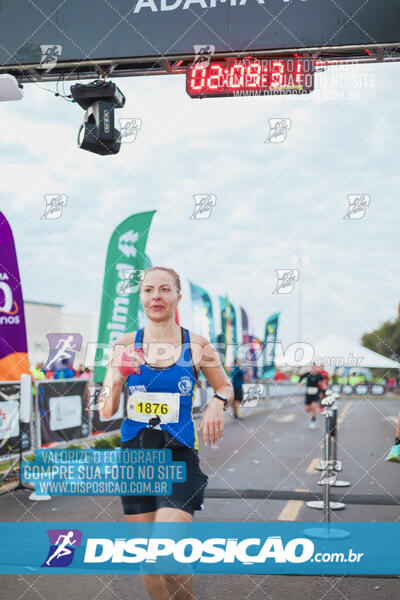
(181, 377)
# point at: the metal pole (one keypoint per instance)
(326, 505)
(327, 444)
(334, 432)
(299, 303)
(338, 482)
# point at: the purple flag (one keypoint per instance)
(245, 326)
(13, 344)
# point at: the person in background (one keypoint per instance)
(37, 373)
(65, 372)
(295, 378)
(391, 383)
(238, 376)
(86, 374)
(313, 379)
(323, 385)
(394, 452)
(279, 376)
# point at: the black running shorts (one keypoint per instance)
(310, 399)
(187, 495)
(238, 394)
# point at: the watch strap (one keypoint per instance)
(224, 400)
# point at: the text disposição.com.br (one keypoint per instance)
(212, 550)
(337, 557)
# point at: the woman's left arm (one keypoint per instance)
(212, 423)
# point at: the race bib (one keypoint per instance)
(143, 406)
(312, 390)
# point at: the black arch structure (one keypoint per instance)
(157, 37)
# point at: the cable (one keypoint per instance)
(56, 93)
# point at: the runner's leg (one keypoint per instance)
(154, 584)
(180, 587)
(314, 409)
(235, 407)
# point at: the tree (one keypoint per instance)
(384, 340)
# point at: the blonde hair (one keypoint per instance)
(171, 272)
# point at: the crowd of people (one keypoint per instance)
(63, 371)
(353, 379)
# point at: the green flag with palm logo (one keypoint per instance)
(202, 312)
(271, 331)
(126, 260)
(229, 330)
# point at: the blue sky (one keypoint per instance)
(273, 200)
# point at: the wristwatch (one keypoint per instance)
(223, 398)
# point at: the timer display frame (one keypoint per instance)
(250, 76)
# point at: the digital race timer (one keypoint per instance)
(250, 77)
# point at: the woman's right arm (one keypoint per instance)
(110, 392)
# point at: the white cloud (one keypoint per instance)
(273, 200)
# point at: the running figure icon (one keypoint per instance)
(63, 346)
(62, 550)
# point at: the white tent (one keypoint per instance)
(331, 351)
(343, 352)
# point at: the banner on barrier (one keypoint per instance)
(61, 411)
(362, 389)
(10, 426)
(275, 390)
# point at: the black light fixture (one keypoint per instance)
(99, 99)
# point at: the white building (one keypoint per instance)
(45, 317)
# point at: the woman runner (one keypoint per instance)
(172, 359)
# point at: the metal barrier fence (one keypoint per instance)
(63, 410)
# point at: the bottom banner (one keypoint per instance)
(225, 547)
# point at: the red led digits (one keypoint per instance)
(299, 72)
(215, 78)
(197, 78)
(250, 76)
(253, 73)
(236, 76)
(277, 74)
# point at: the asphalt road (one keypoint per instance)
(271, 449)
